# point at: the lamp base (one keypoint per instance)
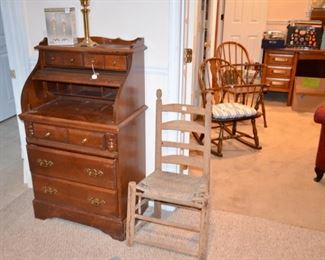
(87, 42)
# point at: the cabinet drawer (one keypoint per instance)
(63, 59)
(49, 132)
(74, 195)
(94, 59)
(278, 84)
(54, 58)
(73, 59)
(115, 62)
(85, 169)
(87, 138)
(280, 59)
(278, 72)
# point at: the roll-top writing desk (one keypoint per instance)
(86, 136)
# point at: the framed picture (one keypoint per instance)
(61, 26)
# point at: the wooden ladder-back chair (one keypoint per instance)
(237, 55)
(177, 189)
(238, 102)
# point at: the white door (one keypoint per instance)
(198, 31)
(245, 22)
(7, 100)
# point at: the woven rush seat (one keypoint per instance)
(224, 111)
(189, 190)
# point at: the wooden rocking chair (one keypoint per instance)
(177, 189)
(238, 101)
(237, 55)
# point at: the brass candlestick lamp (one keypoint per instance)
(86, 42)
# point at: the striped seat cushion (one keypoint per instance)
(232, 111)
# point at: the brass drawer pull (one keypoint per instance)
(49, 190)
(278, 71)
(114, 62)
(281, 59)
(72, 60)
(96, 202)
(276, 83)
(53, 58)
(47, 134)
(94, 172)
(45, 163)
(84, 141)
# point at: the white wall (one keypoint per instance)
(281, 11)
(157, 21)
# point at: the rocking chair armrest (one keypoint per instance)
(250, 72)
(248, 88)
(251, 65)
(319, 115)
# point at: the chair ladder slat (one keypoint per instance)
(182, 125)
(168, 223)
(185, 109)
(183, 160)
(191, 146)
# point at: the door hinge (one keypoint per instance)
(222, 17)
(12, 74)
(188, 55)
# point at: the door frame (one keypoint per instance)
(13, 15)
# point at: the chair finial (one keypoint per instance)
(158, 93)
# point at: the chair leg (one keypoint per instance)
(157, 209)
(130, 221)
(257, 142)
(234, 128)
(198, 138)
(203, 240)
(319, 174)
(219, 151)
(264, 115)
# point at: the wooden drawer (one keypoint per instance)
(73, 195)
(85, 169)
(115, 62)
(63, 59)
(54, 58)
(94, 59)
(278, 72)
(280, 59)
(87, 138)
(49, 132)
(73, 59)
(277, 84)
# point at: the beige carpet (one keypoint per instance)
(231, 236)
(276, 182)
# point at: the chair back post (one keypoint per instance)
(207, 139)
(209, 75)
(158, 130)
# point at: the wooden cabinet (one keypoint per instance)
(280, 70)
(85, 136)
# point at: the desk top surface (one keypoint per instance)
(308, 54)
